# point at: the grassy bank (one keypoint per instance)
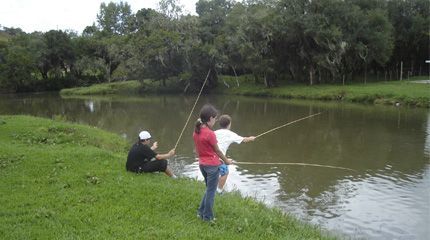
(67, 181)
(407, 93)
(391, 92)
(126, 87)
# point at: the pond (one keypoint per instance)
(385, 197)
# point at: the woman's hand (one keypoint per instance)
(229, 161)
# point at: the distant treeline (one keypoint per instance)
(307, 41)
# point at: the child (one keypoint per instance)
(225, 137)
(209, 159)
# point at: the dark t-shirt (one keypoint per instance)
(138, 155)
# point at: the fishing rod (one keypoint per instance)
(299, 164)
(195, 103)
(289, 123)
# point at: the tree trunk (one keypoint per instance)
(265, 81)
(397, 72)
(108, 71)
(290, 70)
(365, 72)
(255, 78)
(223, 80)
(235, 75)
(401, 71)
(186, 87)
(44, 75)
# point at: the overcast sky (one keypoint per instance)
(45, 15)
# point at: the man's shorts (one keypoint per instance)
(223, 169)
(154, 166)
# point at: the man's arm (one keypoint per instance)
(154, 146)
(171, 153)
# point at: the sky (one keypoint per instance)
(45, 15)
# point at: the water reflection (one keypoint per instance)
(90, 105)
(427, 143)
(388, 197)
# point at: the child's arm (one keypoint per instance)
(248, 139)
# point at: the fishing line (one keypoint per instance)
(195, 103)
(289, 123)
(299, 164)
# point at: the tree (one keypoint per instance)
(59, 55)
(212, 15)
(116, 19)
(162, 55)
(257, 31)
(17, 65)
(411, 23)
(171, 9)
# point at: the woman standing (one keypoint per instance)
(209, 158)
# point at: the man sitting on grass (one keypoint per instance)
(142, 158)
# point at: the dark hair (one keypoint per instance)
(224, 121)
(206, 113)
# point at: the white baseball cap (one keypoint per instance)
(144, 135)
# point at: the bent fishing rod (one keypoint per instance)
(192, 109)
(299, 164)
(289, 123)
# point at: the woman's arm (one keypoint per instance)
(221, 155)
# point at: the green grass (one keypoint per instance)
(392, 92)
(125, 87)
(67, 181)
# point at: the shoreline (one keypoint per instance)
(395, 93)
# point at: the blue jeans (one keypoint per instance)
(211, 175)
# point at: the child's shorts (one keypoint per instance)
(223, 169)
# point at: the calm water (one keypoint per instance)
(388, 197)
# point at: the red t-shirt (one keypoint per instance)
(204, 142)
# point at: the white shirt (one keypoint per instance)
(226, 137)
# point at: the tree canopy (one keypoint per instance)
(275, 41)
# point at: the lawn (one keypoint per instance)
(67, 181)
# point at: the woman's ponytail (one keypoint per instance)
(198, 126)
